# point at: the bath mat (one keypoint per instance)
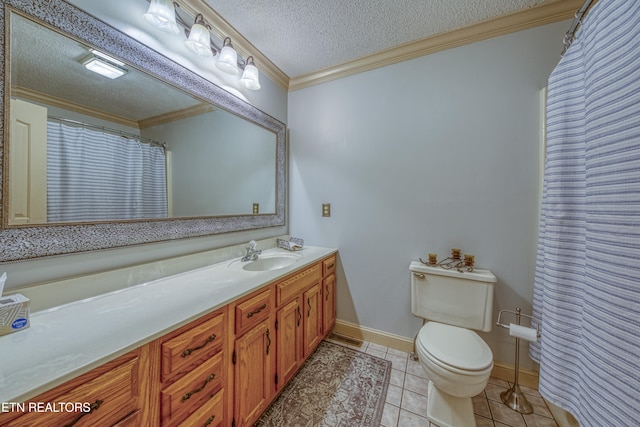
(336, 387)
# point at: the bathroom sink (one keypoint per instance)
(271, 262)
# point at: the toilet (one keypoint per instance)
(457, 361)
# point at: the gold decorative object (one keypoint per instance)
(452, 262)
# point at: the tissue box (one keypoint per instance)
(14, 313)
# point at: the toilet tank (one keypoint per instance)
(463, 299)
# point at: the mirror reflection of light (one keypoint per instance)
(103, 67)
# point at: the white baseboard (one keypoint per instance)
(501, 370)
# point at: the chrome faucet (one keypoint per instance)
(252, 252)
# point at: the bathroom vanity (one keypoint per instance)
(212, 346)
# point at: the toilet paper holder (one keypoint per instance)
(513, 397)
(519, 314)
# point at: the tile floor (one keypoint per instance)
(406, 402)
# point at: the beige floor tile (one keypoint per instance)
(416, 384)
(409, 419)
(397, 362)
(502, 413)
(539, 407)
(499, 382)
(536, 420)
(493, 392)
(483, 422)
(414, 402)
(397, 377)
(377, 353)
(415, 368)
(481, 406)
(390, 416)
(398, 353)
(394, 395)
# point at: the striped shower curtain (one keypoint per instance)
(587, 284)
(100, 176)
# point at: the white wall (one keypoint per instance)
(422, 156)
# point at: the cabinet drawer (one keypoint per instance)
(253, 311)
(295, 284)
(329, 266)
(190, 392)
(190, 348)
(113, 396)
(211, 414)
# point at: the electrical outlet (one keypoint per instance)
(256, 208)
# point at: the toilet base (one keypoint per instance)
(449, 411)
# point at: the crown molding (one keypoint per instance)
(222, 29)
(540, 15)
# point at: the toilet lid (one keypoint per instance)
(457, 347)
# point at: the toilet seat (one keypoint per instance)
(455, 349)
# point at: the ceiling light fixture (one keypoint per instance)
(164, 15)
(104, 65)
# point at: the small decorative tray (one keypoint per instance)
(293, 244)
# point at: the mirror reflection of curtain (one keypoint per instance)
(94, 175)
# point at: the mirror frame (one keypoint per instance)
(30, 242)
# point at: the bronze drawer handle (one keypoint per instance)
(309, 304)
(199, 389)
(258, 310)
(268, 340)
(299, 315)
(326, 292)
(210, 420)
(94, 406)
(330, 266)
(188, 351)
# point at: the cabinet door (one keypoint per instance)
(312, 319)
(289, 340)
(328, 303)
(253, 373)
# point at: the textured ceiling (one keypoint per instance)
(304, 36)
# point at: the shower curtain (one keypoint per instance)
(587, 282)
(100, 176)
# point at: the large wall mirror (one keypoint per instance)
(90, 162)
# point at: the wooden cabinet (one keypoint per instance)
(223, 369)
(312, 319)
(289, 340)
(253, 357)
(194, 373)
(111, 395)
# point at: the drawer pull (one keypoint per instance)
(330, 266)
(94, 406)
(309, 304)
(188, 351)
(199, 389)
(258, 310)
(210, 420)
(326, 293)
(299, 316)
(268, 340)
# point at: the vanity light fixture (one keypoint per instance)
(105, 65)
(199, 41)
(162, 15)
(228, 60)
(250, 77)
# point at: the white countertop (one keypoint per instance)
(66, 341)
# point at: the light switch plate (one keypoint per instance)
(326, 209)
